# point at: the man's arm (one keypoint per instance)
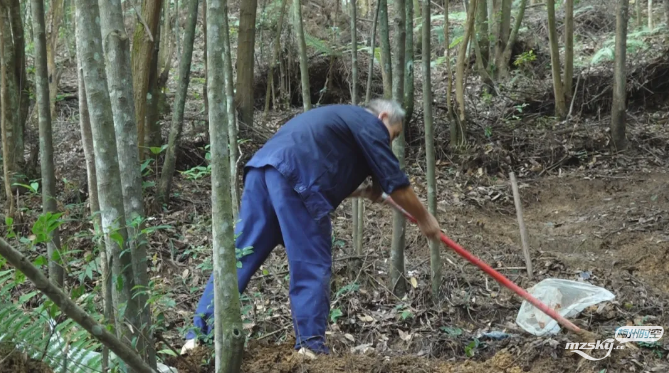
(407, 199)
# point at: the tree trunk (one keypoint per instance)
(458, 126)
(302, 46)
(121, 348)
(449, 71)
(110, 188)
(169, 164)
(245, 60)
(639, 19)
(560, 105)
(504, 29)
(275, 56)
(354, 53)
(23, 92)
(482, 34)
(493, 24)
(119, 80)
(419, 32)
(372, 45)
(409, 54)
(228, 331)
(56, 273)
(13, 62)
(204, 56)
(650, 15)
(232, 120)
(435, 247)
(506, 56)
(94, 204)
(357, 203)
(397, 284)
(6, 121)
(142, 54)
(568, 48)
(55, 20)
(153, 111)
(618, 108)
(386, 66)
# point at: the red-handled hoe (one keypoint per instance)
(501, 279)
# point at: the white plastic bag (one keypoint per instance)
(568, 298)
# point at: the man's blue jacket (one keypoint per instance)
(327, 152)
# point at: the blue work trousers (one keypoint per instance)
(272, 213)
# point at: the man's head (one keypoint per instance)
(390, 113)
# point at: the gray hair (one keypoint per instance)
(395, 112)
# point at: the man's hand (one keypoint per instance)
(430, 227)
(427, 223)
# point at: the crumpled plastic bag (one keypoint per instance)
(566, 297)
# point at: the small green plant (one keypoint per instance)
(525, 58)
(33, 188)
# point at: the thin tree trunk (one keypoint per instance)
(409, 54)
(232, 119)
(245, 59)
(228, 331)
(169, 164)
(152, 131)
(493, 24)
(354, 53)
(650, 15)
(275, 56)
(504, 29)
(419, 32)
(372, 45)
(568, 48)
(458, 126)
(89, 50)
(398, 285)
(142, 54)
(56, 273)
(11, 98)
(386, 63)
(302, 46)
(122, 349)
(94, 204)
(449, 71)
(356, 202)
(119, 80)
(560, 105)
(618, 108)
(639, 19)
(5, 121)
(506, 56)
(204, 56)
(482, 34)
(23, 95)
(435, 247)
(55, 19)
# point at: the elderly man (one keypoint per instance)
(314, 162)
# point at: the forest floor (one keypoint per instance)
(591, 216)
(602, 220)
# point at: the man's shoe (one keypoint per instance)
(307, 352)
(190, 344)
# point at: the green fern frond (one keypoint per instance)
(318, 44)
(604, 54)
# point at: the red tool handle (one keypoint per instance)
(496, 275)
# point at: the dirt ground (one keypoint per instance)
(608, 228)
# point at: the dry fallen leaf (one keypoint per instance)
(365, 318)
(349, 337)
(414, 282)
